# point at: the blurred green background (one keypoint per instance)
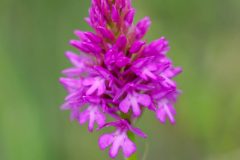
(205, 40)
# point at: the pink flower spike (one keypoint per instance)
(117, 73)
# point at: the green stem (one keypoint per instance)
(131, 136)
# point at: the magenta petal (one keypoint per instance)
(147, 73)
(79, 46)
(142, 27)
(87, 47)
(161, 115)
(170, 111)
(91, 47)
(144, 99)
(166, 110)
(74, 115)
(122, 60)
(136, 46)
(168, 82)
(113, 57)
(129, 17)
(128, 147)
(92, 89)
(118, 140)
(121, 42)
(172, 72)
(88, 36)
(122, 3)
(159, 47)
(71, 72)
(87, 19)
(88, 81)
(138, 132)
(96, 84)
(80, 34)
(125, 105)
(74, 58)
(100, 119)
(65, 106)
(105, 141)
(83, 117)
(106, 33)
(135, 106)
(101, 89)
(91, 121)
(115, 15)
(71, 83)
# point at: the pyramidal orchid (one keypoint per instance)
(118, 74)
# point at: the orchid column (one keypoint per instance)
(117, 74)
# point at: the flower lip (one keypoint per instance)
(124, 126)
(134, 100)
(142, 27)
(93, 114)
(136, 46)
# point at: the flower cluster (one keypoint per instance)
(118, 74)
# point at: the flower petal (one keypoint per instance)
(96, 83)
(118, 140)
(74, 114)
(101, 87)
(144, 99)
(128, 147)
(170, 111)
(74, 58)
(125, 105)
(83, 117)
(91, 120)
(71, 72)
(161, 115)
(142, 27)
(88, 81)
(135, 106)
(106, 33)
(100, 118)
(129, 17)
(92, 89)
(138, 132)
(70, 83)
(105, 141)
(136, 46)
(121, 42)
(115, 15)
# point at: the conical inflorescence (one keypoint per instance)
(119, 75)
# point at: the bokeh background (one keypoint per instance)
(205, 40)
